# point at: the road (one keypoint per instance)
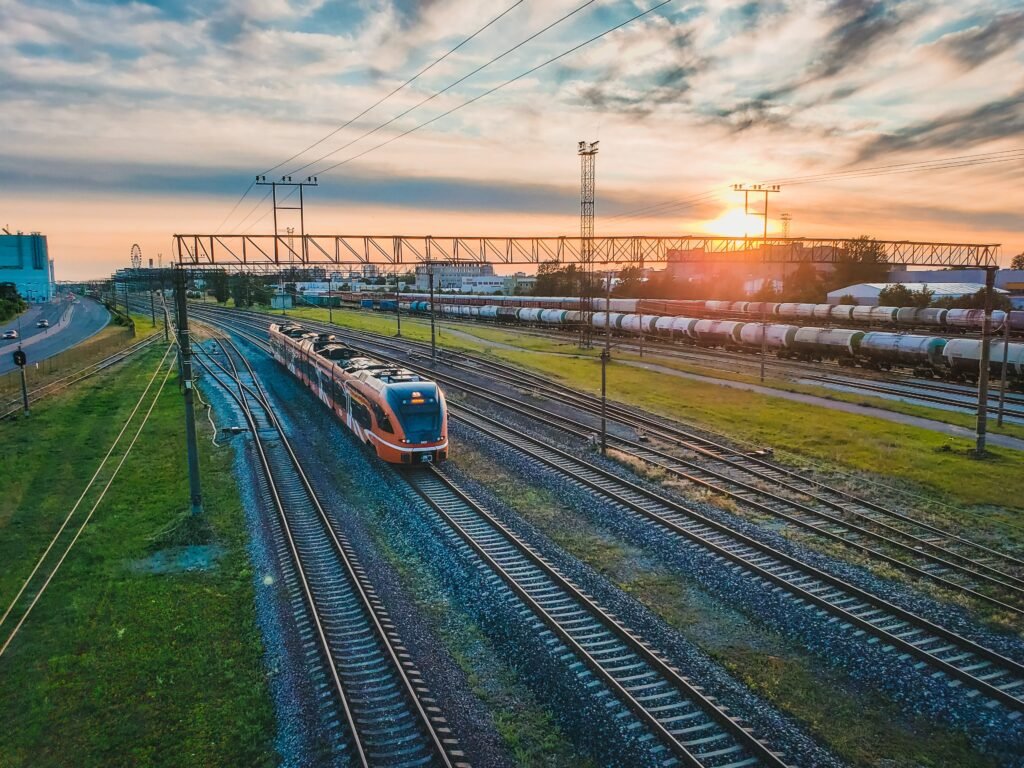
(69, 325)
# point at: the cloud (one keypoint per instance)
(974, 46)
(999, 119)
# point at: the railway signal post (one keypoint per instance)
(20, 358)
(185, 359)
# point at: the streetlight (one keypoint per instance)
(760, 189)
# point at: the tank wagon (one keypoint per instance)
(400, 415)
(817, 344)
(885, 350)
(963, 357)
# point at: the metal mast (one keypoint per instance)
(588, 154)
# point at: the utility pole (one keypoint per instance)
(330, 301)
(587, 152)
(1002, 375)
(986, 333)
(606, 355)
(398, 306)
(765, 189)
(433, 337)
(185, 358)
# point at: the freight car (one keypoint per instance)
(400, 415)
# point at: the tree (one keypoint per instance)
(218, 282)
(899, 295)
(848, 299)
(975, 300)
(803, 284)
(863, 262)
(1017, 262)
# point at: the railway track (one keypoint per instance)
(933, 650)
(15, 405)
(386, 714)
(923, 644)
(859, 612)
(694, 729)
(922, 550)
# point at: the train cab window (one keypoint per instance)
(382, 419)
(361, 414)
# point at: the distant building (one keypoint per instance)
(1010, 280)
(867, 294)
(24, 261)
(508, 285)
(448, 277)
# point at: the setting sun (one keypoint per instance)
(734, 223)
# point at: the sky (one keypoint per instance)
(128, 122)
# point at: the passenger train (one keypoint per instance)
(399, 414)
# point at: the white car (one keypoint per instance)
(43, 324)
(11, 334)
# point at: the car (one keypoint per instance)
(43, 324)
(11, 334)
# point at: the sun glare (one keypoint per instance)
(734, 223)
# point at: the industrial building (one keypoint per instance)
(1010, 280)
(448, 277)
(509, 285)
(25, 261)
(867, 294)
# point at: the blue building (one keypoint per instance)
(25, 261)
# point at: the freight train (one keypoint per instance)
(956, 359)
(950, 320)
(400, 415)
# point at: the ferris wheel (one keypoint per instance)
(136, 256)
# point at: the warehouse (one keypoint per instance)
(866, 294)
(24, 262)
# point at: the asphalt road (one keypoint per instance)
(86, 317)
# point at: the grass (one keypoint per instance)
(855, 723)
(120, 663)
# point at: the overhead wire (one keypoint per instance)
(959, 161)
(496, 88)
(381, 100)
(376, 104)
(447, 88)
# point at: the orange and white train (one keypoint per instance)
(399, 414)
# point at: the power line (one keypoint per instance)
(447, 88)
(253, 210)
(497, 87)
(237, 203)
(380, 101)
(957, 161)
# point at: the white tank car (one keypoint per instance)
(964, 358)
(553, 316)
(663, 325)
(861, 314)
(777, 336)
(788, 310)
(931, 316)
(827, 342)
(529, 315)
(840, 313)
(905, 348)
(718, 332)
(884, 314)
(638, 324)
(489, 312)
(906, 316)
(739, 306)
(822, 311)
(613, 320)
(973, 318)
(683, 326)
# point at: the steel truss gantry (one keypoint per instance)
(634, 250)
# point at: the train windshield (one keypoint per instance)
(419, 411)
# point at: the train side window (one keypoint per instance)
(361, 414)
(382, 419)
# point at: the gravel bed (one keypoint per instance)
(292, 686)
(917, 692)
(785, 734)
(904, 595)
(562, 683)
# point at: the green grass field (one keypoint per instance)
(128, 660)
(911, 457)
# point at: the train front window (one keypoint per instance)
(418, 411)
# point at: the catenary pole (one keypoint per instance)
(986, 340)
(606, 354)
(1002, 374)
(433, 336)
(185, 357)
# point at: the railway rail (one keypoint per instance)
(921, 642)
(389, 716)
(694, 728)
(35, 395)
(895, 539)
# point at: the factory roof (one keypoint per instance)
(938, 289)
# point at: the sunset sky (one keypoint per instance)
(126, 122)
